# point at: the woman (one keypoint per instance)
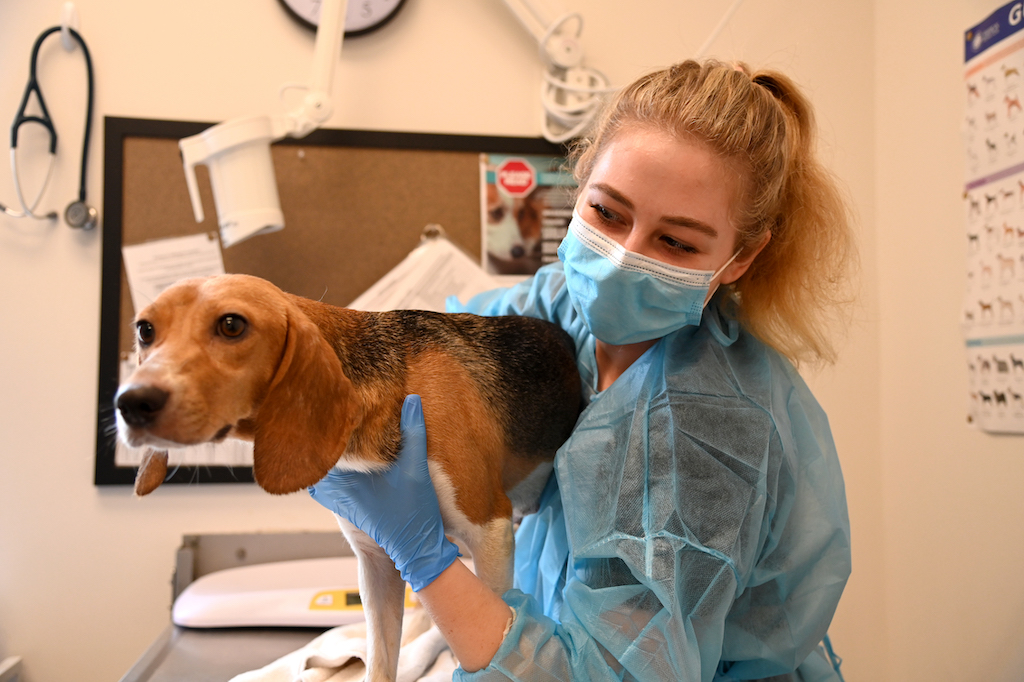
(696, 526)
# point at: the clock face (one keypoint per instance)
(362, 16)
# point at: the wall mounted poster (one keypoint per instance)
(525, 208)
(993, 316)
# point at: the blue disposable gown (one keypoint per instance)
(696, 525)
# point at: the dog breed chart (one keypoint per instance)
(993, 313)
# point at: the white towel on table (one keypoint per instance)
(339, 655)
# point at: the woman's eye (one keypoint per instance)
(678, 246)
(603, 212)
(232, 326)
(145, 332)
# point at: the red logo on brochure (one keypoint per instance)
(516, 177)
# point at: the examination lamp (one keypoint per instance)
(237, 151)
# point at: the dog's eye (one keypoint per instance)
(231, 326)
(145, 332)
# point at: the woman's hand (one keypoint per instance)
(398, 507)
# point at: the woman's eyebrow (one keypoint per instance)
(692, 224)
(680, 221)
(614, 194)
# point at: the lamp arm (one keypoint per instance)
(317, 106)
(546, 22)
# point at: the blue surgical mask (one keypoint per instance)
(625, 297)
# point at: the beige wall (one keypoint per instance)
(84, 572)
(951, 497)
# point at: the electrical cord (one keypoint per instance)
(571, 94)
(570, 108)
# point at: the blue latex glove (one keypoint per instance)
(398, 507)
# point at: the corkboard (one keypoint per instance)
(355, 204)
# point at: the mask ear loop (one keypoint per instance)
(719, 271)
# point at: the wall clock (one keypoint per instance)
(362, 16)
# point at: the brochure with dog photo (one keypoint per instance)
(526, 206)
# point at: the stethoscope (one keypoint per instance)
(78, 213)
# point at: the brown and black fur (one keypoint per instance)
(520, 365)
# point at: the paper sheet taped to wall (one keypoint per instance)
(433, 271)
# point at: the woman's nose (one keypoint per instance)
(633, 241)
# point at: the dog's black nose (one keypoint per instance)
(140, 405)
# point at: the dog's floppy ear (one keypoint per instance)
(303, 424)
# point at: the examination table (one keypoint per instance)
(218, 654)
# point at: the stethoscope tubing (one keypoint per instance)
(32, 86)
(28, 210)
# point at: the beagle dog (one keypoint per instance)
(314, 386)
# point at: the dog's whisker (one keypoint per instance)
(108, 427)
(107, 424)
(145, 295)
(171, 474)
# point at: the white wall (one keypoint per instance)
(952, 503)
(84, 572)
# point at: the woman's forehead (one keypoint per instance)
(659, 171)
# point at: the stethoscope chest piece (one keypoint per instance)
(80, 215)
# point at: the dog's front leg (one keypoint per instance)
(382, 592)
(492, 547)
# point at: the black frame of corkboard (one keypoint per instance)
(157, 207)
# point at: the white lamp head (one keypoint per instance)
(237, 153)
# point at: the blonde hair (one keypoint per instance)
(789, 294)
